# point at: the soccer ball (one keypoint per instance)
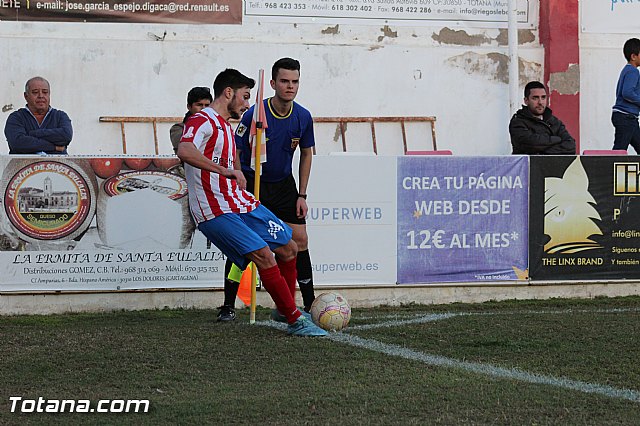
(331, 311)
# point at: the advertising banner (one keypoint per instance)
(463, 12)
(585, 218)
(100, 224)
(352, 220)
(142, 11)
(462, 219)
(71, 223)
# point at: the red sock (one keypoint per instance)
(290, 274)
(277, 287)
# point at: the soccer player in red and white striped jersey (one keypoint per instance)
(229, 216)
(214, 192)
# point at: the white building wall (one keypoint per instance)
(604, 29)
(349, 68)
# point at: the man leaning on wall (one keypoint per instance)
(535, 130)
(37, 128)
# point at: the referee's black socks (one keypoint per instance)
(230, 286)
(305, 279)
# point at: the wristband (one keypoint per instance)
(303, 196)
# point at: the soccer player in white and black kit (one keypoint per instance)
(289, 126)
(228, 215)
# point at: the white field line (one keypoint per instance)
(395, 320)
(475, 367)
(485, 369)
(399, 322)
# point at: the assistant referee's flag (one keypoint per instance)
(258, 121)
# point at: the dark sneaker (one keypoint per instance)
(226, 313)
(278, 317)
(305, 327)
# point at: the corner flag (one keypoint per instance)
(259, 121)
(258, 124)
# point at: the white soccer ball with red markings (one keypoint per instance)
(331, 311)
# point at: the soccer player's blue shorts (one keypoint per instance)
(279, 197)
(237, 234)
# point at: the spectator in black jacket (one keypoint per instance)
(535, 130)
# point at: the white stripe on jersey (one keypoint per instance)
(211, 194)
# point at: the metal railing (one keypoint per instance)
(342, 123)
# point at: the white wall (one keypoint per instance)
(457, 74)
(601, 60)
(603, 33)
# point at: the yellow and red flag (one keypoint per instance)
(258, 124)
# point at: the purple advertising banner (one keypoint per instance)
(462, 219)
(142, 11)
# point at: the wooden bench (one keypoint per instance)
(604, 152)
(436, 152)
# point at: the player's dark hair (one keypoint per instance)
(631, 46)
(198, 93)
(532, 85)
(284, 63)
(231, 78)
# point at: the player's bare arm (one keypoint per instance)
(236, 164)
(188, 153)
(304, 171)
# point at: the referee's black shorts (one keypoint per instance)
(279, 197)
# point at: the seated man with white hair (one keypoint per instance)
(37, 128)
